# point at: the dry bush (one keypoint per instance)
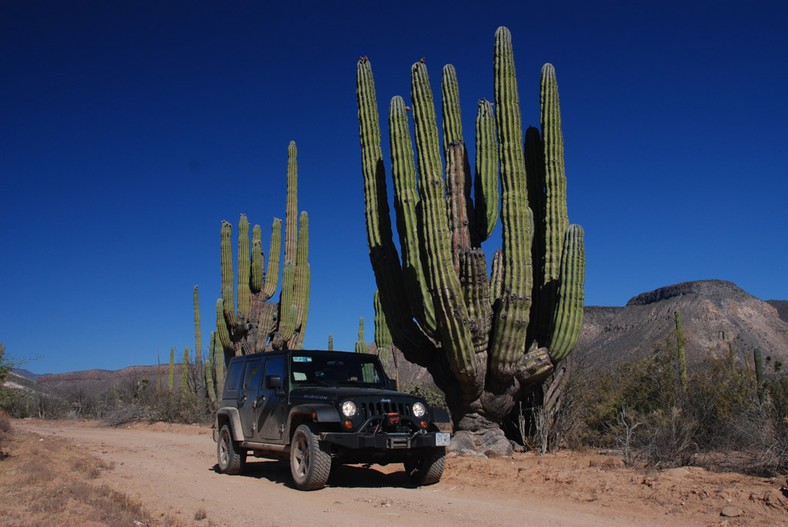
(49, 482)
(720, 420)
(5, 434)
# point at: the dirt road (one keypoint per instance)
(170, 469)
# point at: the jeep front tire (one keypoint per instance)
(310, 465)
(427, 468)
(231, 459)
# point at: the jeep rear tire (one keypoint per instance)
(428, 468)
(231, 459)
(310, 465)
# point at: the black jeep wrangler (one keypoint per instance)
(322, 409)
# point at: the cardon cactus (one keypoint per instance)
(486, 340)
(361, 345)
(256, 323)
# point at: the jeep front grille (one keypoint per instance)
(374, 408)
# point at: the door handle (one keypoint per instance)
(257, 402)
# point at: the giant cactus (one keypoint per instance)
(486, 340)
(255, 323)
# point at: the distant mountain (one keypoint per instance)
(715, 315)
(25, 373)
(100, 381)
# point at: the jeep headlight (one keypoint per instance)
(419, 409)
(349, 408)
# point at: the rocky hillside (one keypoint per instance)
(715, 316)
(781, 306)
(101, 381)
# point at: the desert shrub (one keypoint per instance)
(641, 409)
(5, 434)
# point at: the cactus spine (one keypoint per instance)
(255, 323)
(485, 339)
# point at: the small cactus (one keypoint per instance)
(171, 371)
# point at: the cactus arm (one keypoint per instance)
(227, 268)
(209, 368)
(382, 252)
(458, 173)
(244, 268)
(361, 346)
(286, 308)
(555, 213)
(486, 179)
(301, 283)
(197, 329)
(476, 291)
(382, 333)
(185, 375)
(512, 310)
(291, 211)
(450, 97)
(219, 363)
(274, 252)
(221, 327)
(256, 279)
(406, 204)
(450, 310)
(568, 317)
(457, 194)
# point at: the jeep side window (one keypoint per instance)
(275, 367)
(253, 374)
(233, 381)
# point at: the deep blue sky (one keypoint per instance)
(129, 130)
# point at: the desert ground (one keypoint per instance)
(170, 470)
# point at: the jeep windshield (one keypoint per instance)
(336, 369)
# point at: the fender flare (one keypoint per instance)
(313, 413)
(231, 416)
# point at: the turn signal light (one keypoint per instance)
(423, 424)
(347, 424)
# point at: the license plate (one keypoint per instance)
(442, 439)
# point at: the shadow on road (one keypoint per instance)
(346, 476)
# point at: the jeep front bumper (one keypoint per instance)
(386, 441)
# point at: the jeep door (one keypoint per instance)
(273, 400)
(247, 403)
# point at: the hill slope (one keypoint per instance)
(715, 316)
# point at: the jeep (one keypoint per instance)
(321, 409)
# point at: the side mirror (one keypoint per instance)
(391, 384)
(273, 382)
